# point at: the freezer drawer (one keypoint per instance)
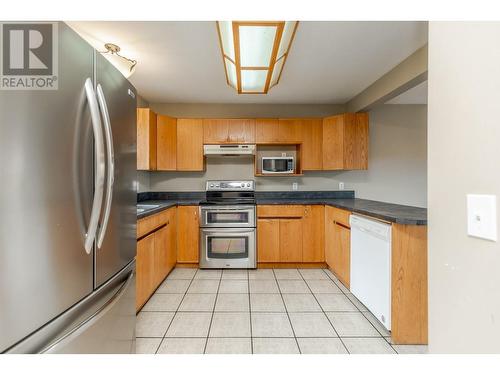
(103, 323)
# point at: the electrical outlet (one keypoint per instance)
(295, 186)
(283, 154)
(341, 186)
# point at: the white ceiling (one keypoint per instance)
(329, 62)
(415, 95)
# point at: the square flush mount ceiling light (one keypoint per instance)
(255, 53)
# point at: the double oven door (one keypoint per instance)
(227, 237)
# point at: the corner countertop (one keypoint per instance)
(394, 213)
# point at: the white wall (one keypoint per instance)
(397, 164)
(464, 157)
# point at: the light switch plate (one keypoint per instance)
(295, 186)
(482, 216)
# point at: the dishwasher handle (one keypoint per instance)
(370, 227)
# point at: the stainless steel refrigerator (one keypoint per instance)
(68, 209)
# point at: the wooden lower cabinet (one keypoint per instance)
(409, 316)
(313, 234)
(290, 240)
(268, 240)
(145, 261)
(188, 236)
(338, 244)
(156, 255)
(290, 234)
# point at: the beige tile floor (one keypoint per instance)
(282, 311)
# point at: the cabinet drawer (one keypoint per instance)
(146, 225)
(150, 223)
(287, 211)
(340, 216)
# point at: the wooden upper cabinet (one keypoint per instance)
(267, 130)
(345, 141)
(223, 131)
(312, 144)
(146, 139)
(190, 145)
(166, 143)
(290, 130)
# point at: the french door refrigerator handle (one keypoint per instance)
(100, 166)
(111, 164)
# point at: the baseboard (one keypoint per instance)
(292, 265)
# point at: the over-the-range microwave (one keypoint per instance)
(278, 164)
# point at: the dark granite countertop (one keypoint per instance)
(394, 213)
(164, 204)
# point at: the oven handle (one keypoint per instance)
(227, 209)
(228, 231)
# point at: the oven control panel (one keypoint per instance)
(225, 185)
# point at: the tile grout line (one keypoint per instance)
(286, 310)
(176, 310)
(361, 312)
(250, 313)
(213, 312)
(324, 313)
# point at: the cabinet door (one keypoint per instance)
(160, 255)
(268, 240)
(171, 240)
(333, 142)
(329, 237)
(187, 234)
(166, 143)
(342, 254)
(313, 242)
(215, 131)
(312, 144)
(356, 141)
(144, 269)
(290, 240)
(222, 131)
(290, 130)
(190, 145)
(267, 130)
(146, 139)
(242, 131)
(345, 141)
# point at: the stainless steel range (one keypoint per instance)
(227, 225)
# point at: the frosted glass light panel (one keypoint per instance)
(231, 73)
(277, 71)
(226, 38)
(256, 45)
(254, 53)
(286, 38)
(253, 80)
